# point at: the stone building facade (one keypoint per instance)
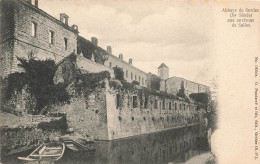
(173, 85)
(28, 31)
(131, 73)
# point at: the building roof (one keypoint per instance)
(162, 66)
(87, 48)
(187, 80)
(49, 16)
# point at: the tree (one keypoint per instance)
(200, 97)
(119, 73)
(181, 92)
(38, 76)
(100, 56)
(154, 83)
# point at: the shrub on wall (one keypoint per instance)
(87, 83)
(143, 91)
(38, 77)
(88, 49)
(14, 82)
(119, 73)
(56, 125)
(116, 84)
(155, 82)
(181, 92)
(182, 95)
(100, 56)
(135, 83)
(200, 97)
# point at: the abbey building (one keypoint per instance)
(26, 31)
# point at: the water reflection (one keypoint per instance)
(171, 146)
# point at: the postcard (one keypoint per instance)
(130, 82)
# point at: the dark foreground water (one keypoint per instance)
(172, 146)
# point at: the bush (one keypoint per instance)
(14, 82)
(56, 125)
(38, 77)
(200, 97)
(155, 82)
(119, 73)
(135, 83)
(87, 83)
(182, 95)
(115, 84)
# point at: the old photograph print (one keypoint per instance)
(112, 82)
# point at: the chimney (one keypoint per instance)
(94, 40)
(109, 49)
(121, 57)
(33, 2)
(75, 28)
(64, 18)
(36, 3)
(130, 61)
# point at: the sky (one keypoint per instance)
(150, 32)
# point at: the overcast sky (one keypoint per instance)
(178, 34)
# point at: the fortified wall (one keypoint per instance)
(137, 111)
(27, 132)
(112, 110)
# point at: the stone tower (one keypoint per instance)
(163, 71)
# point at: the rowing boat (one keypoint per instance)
(46, 152)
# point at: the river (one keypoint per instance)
(167, 147)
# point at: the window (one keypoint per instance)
(163, 105)
(175, 106)
(170, 106)
(155, 104)
(146, 103)
(126, 74)
(139, 79)
(110, 64)
(160, 106)
(128, 100)
(141, 101)
(131, 76)
(34, 29)
(143, 81)
(134, 101)
(183, 106)
(135, 77)
(64, 20)
(51, 37)
(117, 101)
(65, 43)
